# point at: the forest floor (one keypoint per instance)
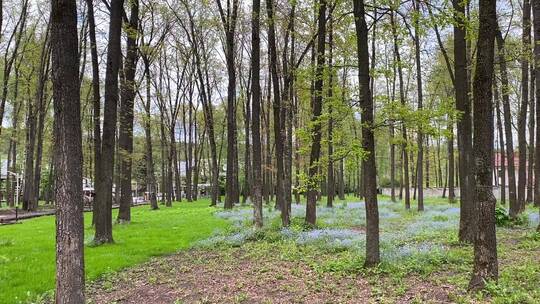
(422, 262)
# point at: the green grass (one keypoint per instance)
(27, 250)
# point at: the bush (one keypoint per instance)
(504, 220)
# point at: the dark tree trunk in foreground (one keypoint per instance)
(485, 243)
(317, 100)
(464, 125)
(68, 154)
(103, 203)
(368, 139)
(522, 118)
(125, 140)
(536, 30)
(256, 190)
(514, 204)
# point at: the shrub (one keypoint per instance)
(504, 220)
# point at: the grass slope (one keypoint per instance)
(27, 250)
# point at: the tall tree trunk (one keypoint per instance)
(103, 203)
(502, 158)
(256, 190)
(450, 172)
(289, 70)
(530, 147)
(536, 27)
(330, 182)
(228, 20)
(278, 121)
(514, 204)
(68, 151)
(247, 151)
(150, 173)
(405, 157)
(127, 95)
(420, 135)
(311, 206)
(96, 104)
(485, 244)
(368, 139)
(522, 118)
(464, 125)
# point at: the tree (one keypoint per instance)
(420, 135)
(485, 242)
(522, 118)
(95, 90)
(103, 202)
(317, 99)
(331, 183)
(368, 140)
(68, 153)
(464, 125)
(536, 31)
(512, 195)
(404, 153)
(256, 191)
(228, 21)
(127, 95)
(279, 137)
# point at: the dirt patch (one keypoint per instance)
(425, 291)
(235, 276)
(207, 277)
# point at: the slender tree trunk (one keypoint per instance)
(311, 206)
(420, 135)
(68, 151)
(247, 151)
(451, 165)
(278, 119)
(536, 28)
(514, 204)
(150, 173)
(485, 244)
(522, 118)
(368, 139)
(95, 95)
(530, 147)
(256, 190)
(330, 182)
(502, 157)
(405, 157)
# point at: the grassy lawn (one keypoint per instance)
(27, 250)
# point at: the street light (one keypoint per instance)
(16, 187)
